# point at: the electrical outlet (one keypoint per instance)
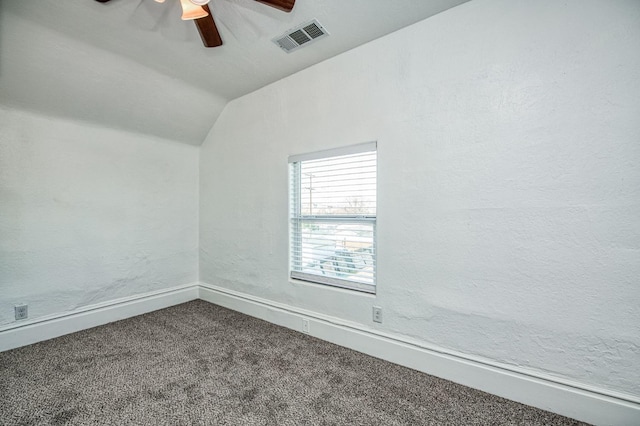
(377, 314)
(21, 311)
(305, 325)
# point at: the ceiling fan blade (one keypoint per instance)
(208, 30)
(284, 5)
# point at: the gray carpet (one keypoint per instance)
(200, 364)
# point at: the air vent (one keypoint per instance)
(300, 36)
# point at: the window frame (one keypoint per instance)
(297, 219)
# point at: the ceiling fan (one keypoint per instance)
(199, 12)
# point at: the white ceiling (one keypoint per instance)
(135, 65)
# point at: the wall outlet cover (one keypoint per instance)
(21, 311)
(377, 314)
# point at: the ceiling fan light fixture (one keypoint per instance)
(198, 2)
(191, 11)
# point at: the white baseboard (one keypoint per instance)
(28, 332)
(571, 399)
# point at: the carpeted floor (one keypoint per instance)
(200, 364)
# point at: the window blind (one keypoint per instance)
(333, 217)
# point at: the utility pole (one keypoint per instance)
(310, 193)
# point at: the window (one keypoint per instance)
(333, 217)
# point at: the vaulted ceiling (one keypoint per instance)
(135, 65)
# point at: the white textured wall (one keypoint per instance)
(89, 214)
(509, 183)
